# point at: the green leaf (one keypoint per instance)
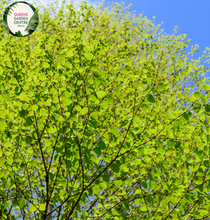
(207, 108)
(197, 95)
(197, 107)
(92, 98)
(70, 54)
(152, 184)
(177, 144)
(126, 205)
(207, 163)
(10, 160)
(124, 70)
(90, 190)
(171, 143)
(68, 164)
(145, 107)
(22, 113)
(97, 83)
(206, 87)
(35, 18)
(105, 178)
(205, 100)
(171, 69)
(109, 99)
(6, 96)
(29, 122)
(104, 104)
(192, 98)
(124, 168)
(103, 185)
(3, 125)
(52, 39)
(2, 162)
(33, 208)
(128, 181)
(150, 176)
(95, 42)
(1, 70)
(138, 201)
(101, 52)
(200, 188)
(97, 150)
(45, 65)
(143, 207)
(138, 191)
(114, 131)
(203, 212)
(22, 202)
(165, 165)
(79, 82)
(115, 168)
(186, 72)
(94, 68)
(100, 94)
(94, 123)
(137, 161)
(160, 86)
(88, 134)
(185, 115)
(28, 140)
(144, 184)
(78, 108)
(84, 111)
(42, 207)
(89, 56)
(176, 124)
(102, 145)
(150, 98)
(22, 164)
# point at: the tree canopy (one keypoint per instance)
(102, 116)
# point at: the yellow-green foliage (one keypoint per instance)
(98, 118)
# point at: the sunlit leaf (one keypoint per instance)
(2, 125)
(33, 208)
(45, 65)
(89, 56)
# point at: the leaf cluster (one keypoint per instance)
(98, 120)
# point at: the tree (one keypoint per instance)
(102, 119)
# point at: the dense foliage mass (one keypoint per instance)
(102, 116)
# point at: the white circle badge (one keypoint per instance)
(20, 19)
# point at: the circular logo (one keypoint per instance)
(20, 19)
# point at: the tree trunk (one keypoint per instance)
(50, 208)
